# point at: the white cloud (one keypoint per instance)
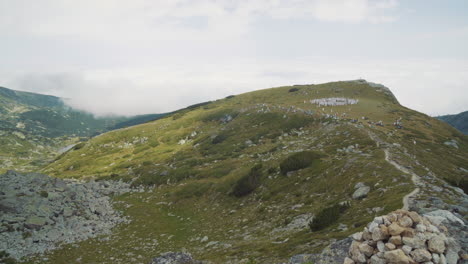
(104, 18)
(146, 56)
(429, 86)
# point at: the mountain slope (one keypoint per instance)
(34, 127)
(48, 116)
(241, 177)
(459, 121)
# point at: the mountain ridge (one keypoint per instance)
(241, 177)
(34, 126)
(459, 121)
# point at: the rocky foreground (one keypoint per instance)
(400, 237)
(38, 213)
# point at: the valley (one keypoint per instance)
(35, 128)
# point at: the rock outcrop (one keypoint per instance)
(37, 212)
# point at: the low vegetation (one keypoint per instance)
(249, 182)
(212, 188)
(328, 216)
(298, 161)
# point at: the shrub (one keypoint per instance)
(292, 90)
(198, 105)
(272, 170)
(230, 96)
(219, 138)
(248, 183)
(44, 194)
(79, 146)
(177, 116)
(327, 216)
(298, 161)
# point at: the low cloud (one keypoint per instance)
(135, 57)
(432, 87)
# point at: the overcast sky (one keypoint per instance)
(149, 56)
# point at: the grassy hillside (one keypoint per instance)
(459, 121)
(243, 171)
(34, 127)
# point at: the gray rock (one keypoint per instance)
(361, 192)
(453, 248)
(336, 252)
(302, 258)
(376, 260)
(174, 258)
(443, 217)
(35, 222)
(421, 255)
(436, 244)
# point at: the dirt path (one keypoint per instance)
(414, 177)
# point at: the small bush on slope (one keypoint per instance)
(248, 183)
(298, 161)
(327, 216)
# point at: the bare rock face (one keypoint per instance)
(404, 237)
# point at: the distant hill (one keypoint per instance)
(48, 116)
(459, 121)
(34, 126)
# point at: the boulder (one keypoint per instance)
(436, 244)
(394, 229)
(396, 240)
(356, 253)
(414, 242)
(396, 256)
(452, 251)
(366, 249)
(35, 222)
(174, 258)
(380, 233)
(407, 249)
(390, 246)
(376, 260)
(361, 192)
(405, 221)
(443, 216)
(421, 255)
